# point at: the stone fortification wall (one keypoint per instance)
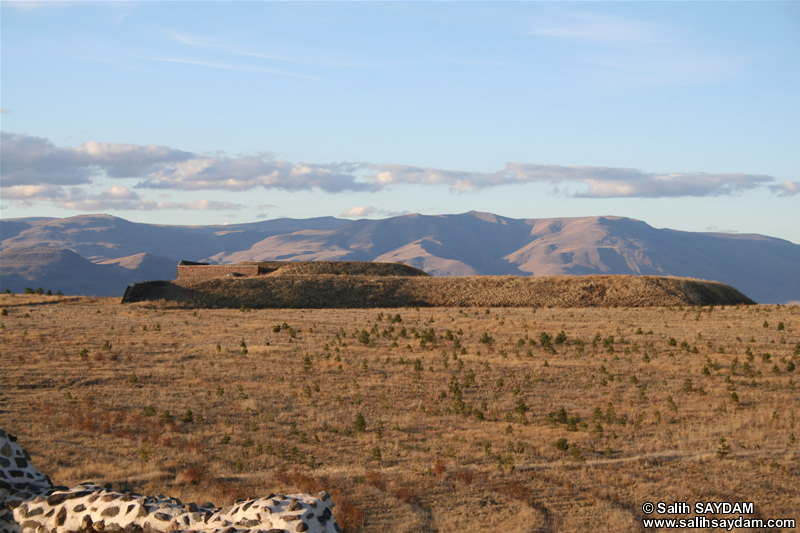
(135, 290)
(216, 271)
(193, 270)
(29, 503)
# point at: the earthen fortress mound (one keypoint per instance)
(330, 284)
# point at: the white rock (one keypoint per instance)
(34, 497)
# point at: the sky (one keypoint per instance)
(683, 114)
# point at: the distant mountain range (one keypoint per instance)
(102, 254)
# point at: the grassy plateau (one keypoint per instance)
(415, 419)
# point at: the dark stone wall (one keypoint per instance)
(136, 291)
(215, 271)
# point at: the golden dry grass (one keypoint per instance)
(467, 441)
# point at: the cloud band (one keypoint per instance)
(33, 169)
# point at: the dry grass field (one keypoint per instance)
(432, 419)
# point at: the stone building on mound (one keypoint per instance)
(188, 270)
(195, 270)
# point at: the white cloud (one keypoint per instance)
(118, 192)
(248, 172)
(207, 205)
(34, 168)
(598, 182)
(34, 160)
(115, 198)
(787, 188)
(360, 211)
(367, 210)
(458, 181)
(606, 182)
(27, 195)
(27, 160)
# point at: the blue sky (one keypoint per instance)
(682, 114)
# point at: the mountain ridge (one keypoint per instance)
(474, 243)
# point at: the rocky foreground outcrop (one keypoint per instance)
(30, 503)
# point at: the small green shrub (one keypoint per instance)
(723, 448)
(360, 423)
(376, 454)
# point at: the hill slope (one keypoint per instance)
(56, 269)
(101, 237)
(59, 269)
(762, 267)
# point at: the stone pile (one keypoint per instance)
(19, 481)
(40, 507)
